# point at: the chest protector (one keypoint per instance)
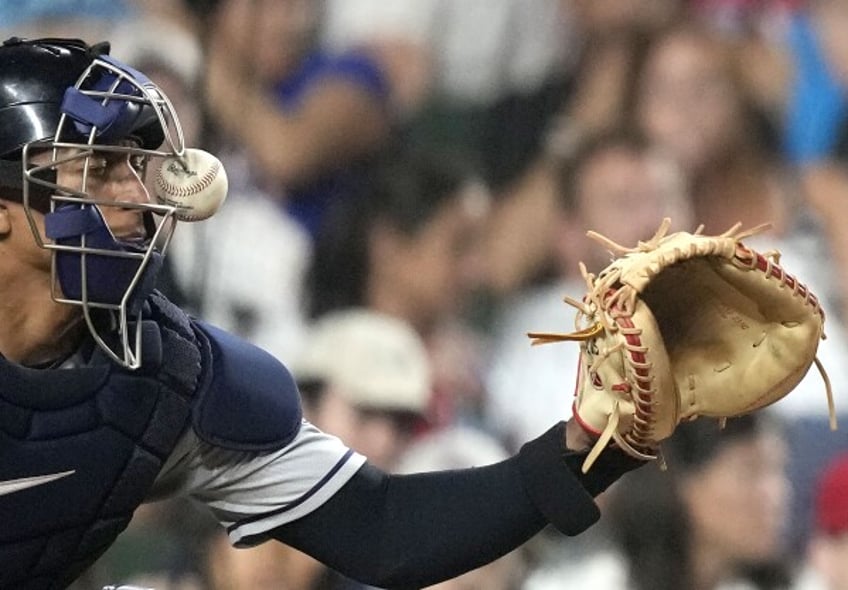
(80, 448)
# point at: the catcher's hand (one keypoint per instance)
(687, 325)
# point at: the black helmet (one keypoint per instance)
(31, 105)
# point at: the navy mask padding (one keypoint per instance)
(108, 277)
(116, 119)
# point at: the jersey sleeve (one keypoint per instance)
(251, 493)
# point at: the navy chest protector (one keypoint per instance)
(81, 448)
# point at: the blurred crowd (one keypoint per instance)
(411, 182)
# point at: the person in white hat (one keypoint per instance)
(365, 377)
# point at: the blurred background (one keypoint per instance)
(413, 180)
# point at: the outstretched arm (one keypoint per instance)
(409, 531)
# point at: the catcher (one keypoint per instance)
(111, 395)
(687, 325)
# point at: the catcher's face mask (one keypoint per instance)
(111, 121)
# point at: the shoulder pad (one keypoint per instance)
(250, 401)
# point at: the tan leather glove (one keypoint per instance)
(687, 325)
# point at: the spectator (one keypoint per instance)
(827, 553)
(688, 100)
(712, 521)
(611, 36)
(459, 70)
(306, 119)
(812, 111)
(365, 377)
(170, 54)
(410, 249)
(252, 287)
(618, 185)
(245, 268)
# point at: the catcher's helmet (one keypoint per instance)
(33, 82)
(73, 101)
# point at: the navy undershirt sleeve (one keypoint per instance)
(409, 531)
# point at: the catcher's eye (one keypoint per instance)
(97, 166)
(139, 163)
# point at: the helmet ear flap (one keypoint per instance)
(12, 185)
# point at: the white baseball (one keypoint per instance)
(196, 184)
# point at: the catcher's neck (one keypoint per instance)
(36, 328)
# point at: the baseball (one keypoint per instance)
(196, 184)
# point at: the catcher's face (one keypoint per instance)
(739, 500)
(108, 176)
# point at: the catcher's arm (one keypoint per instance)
(389, 530)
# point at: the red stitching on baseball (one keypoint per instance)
(194, 188)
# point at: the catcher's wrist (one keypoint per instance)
(576, 438)
(611, 464)
(553, 486)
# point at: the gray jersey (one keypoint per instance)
(252, 493)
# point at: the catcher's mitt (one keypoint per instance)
(687, 325)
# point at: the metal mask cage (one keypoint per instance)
(83, 136)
